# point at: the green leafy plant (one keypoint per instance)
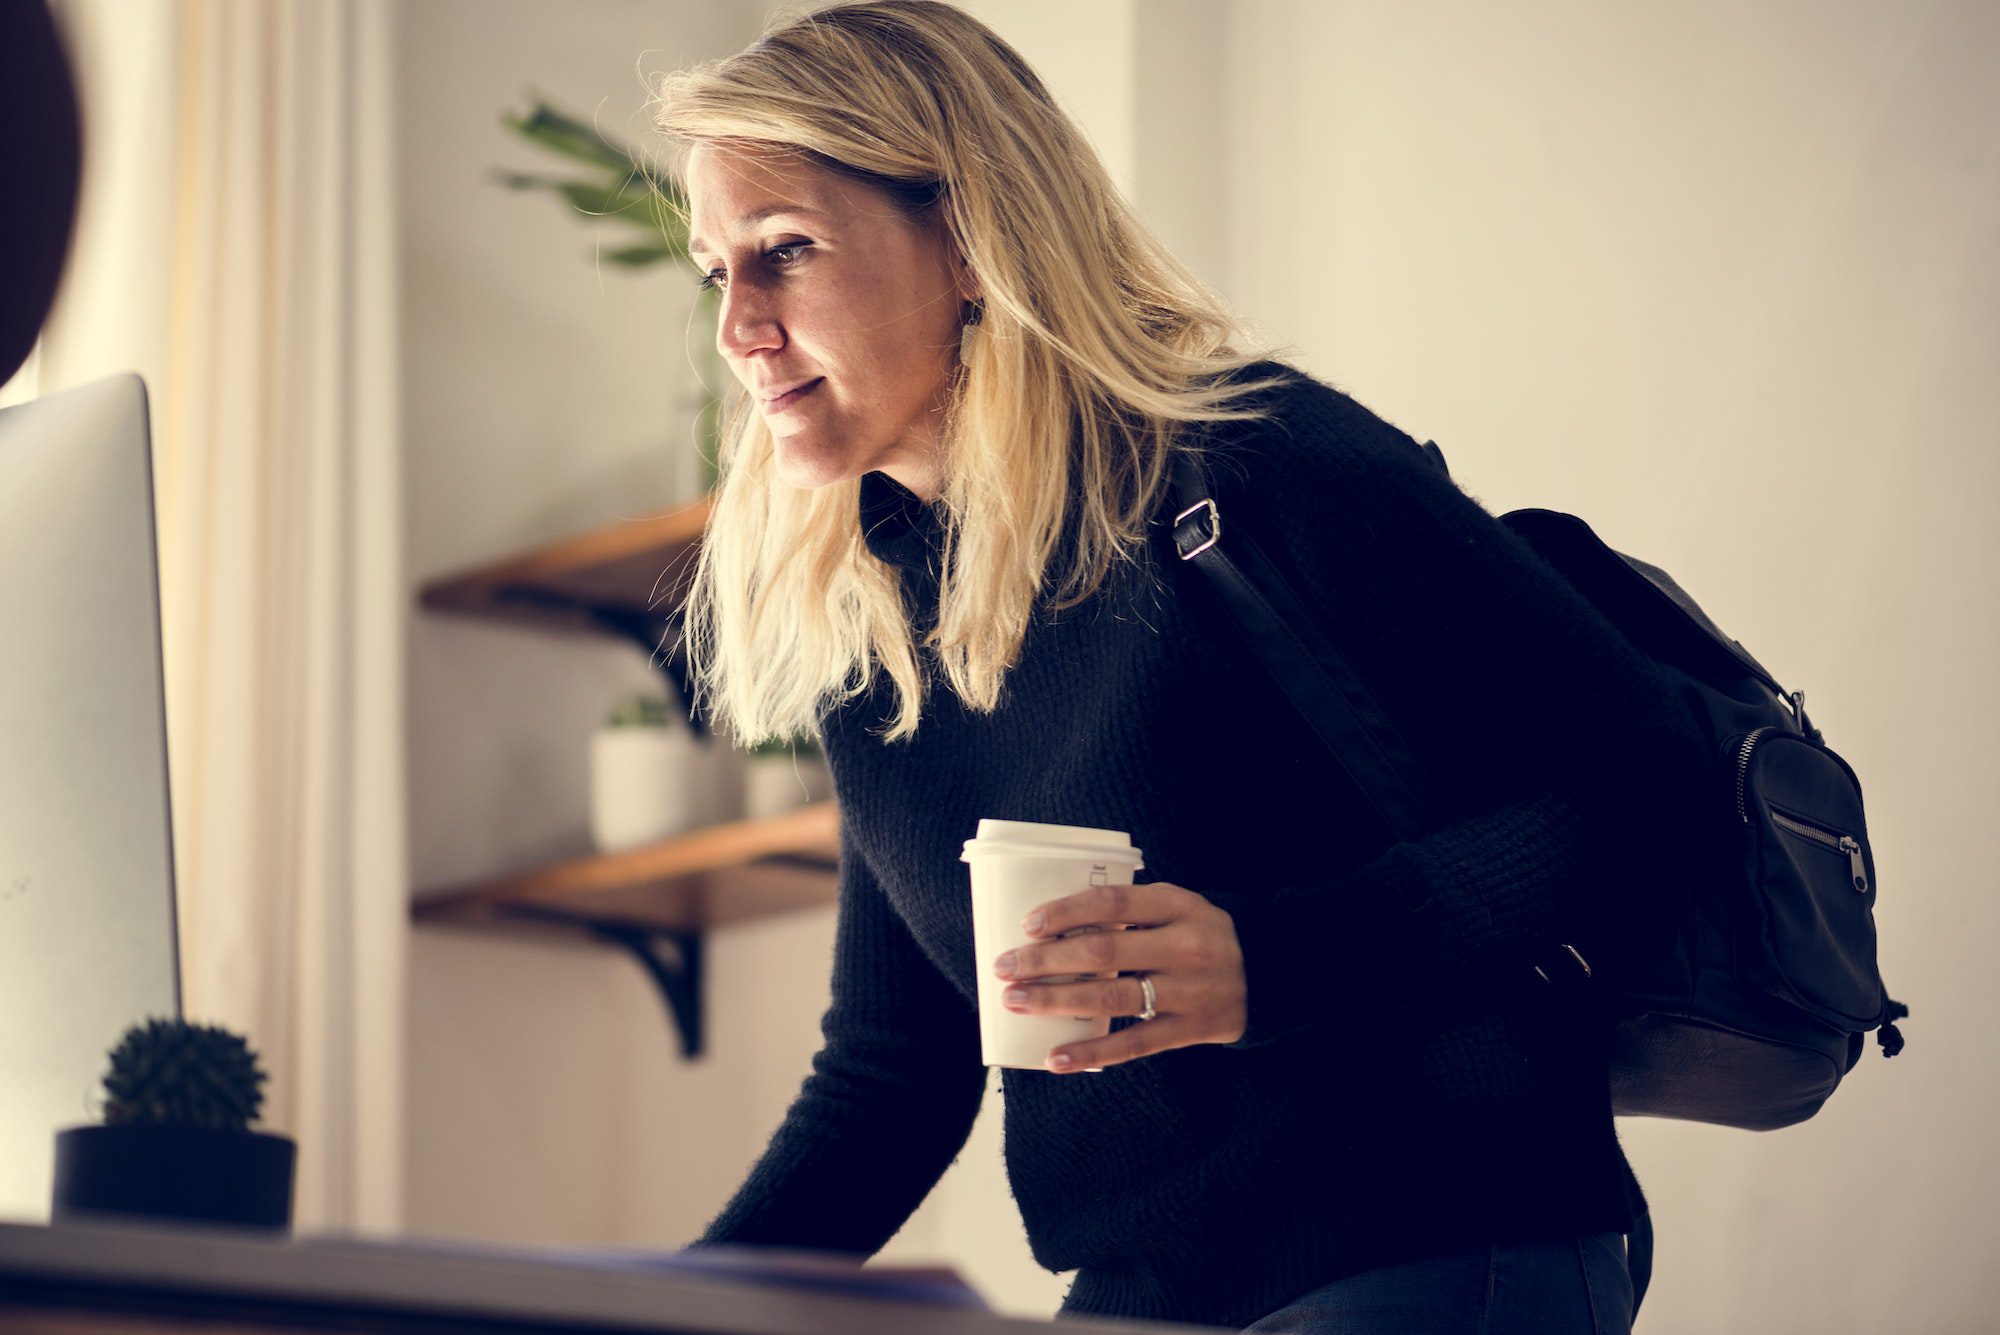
(170, 1072)
(619, 186)
(804, 745)
(641, 710)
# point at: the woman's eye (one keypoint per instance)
(783, 256)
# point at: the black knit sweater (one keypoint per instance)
(1405, 1085)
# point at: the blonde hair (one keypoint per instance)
(1095, 351)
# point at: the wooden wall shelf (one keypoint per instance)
(705, 878)
(638, 568)
(630, 580)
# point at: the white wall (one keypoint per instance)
(547, 396)
(1719, 278)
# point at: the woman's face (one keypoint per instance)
(830, 292)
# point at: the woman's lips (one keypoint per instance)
(784, 401)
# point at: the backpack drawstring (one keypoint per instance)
(1890, 1037)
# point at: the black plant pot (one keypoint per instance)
(174, 1172)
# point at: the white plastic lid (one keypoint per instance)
(1029, 838)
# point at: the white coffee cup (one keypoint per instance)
(1018, 866)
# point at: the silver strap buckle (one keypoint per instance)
(1581, 963)
(1214, 526)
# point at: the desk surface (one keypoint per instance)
(132, 1272)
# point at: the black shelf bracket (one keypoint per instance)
(677, 975)
(660, 635)
(665, 646)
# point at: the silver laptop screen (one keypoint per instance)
(86, 861)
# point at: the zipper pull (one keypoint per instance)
(1852, 847)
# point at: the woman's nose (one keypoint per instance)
(742, 329)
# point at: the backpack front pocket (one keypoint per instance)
(1816, 882)
(1833, 841)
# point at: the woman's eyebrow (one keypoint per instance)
(697, 246)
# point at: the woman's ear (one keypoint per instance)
(969, 288)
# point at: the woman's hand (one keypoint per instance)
(1180, 940)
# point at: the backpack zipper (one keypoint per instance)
(1831, 840)
(1796, 701)
(1743, 768)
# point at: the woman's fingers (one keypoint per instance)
(1182, 942)
(1139, 1040)
(1089, 951)
(1088, 1000)
(1153, 904)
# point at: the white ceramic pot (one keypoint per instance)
(646, 784)
(777, 783)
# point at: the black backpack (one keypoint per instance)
(1765, 998)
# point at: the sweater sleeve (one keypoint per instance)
(1568, 780)
(891, 1098)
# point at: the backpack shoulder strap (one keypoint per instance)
(1289, 640)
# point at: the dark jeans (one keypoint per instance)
(1580, 1287)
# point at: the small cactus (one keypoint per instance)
(172, 1072)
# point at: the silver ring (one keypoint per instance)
(1146, 986)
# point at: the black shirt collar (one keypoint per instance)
(898, 526)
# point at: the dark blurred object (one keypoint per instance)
(41, 160)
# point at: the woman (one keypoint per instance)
(1336, 1094)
